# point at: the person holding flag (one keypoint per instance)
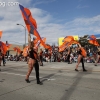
(81, 54)
(33, 61)
(68, 55)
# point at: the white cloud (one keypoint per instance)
(84, 25)
(38, 2)
(80, 6)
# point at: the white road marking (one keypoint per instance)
(24, 75)
(50, 79)
(58, 67)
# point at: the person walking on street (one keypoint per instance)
(98, 56)
(80, 59)
(33, 61)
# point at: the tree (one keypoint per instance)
(84, 40)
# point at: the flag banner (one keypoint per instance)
(93, 40)
(84, 53)
(17, 49)
(0, 34)
(31, 23)
(25, 51)
(3, 47)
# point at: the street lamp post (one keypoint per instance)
(25, 32)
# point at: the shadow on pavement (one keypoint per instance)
(69, 91)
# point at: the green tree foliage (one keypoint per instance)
(84, 42)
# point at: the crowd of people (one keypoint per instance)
(70, 55)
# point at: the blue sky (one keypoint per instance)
(55, 18)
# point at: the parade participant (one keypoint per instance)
(98, 56)
(80, 59)
(68, 55)
(3, 59)
(37, 69)
(33, 61)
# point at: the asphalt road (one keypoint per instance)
(60, 82)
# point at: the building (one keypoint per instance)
(11, 50)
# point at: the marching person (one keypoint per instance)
(3, 59)
(80, 59)
(98, 56)
(33, 61)
(69, 55)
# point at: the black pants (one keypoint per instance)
(82, 61)
(3, 59)
(41, 60)
(68, 58)
(37, 70)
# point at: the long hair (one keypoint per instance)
(32, 45)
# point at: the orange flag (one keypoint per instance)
(17, 49)
(84, 53)
(31, 23)
(92, 37)
(94, 42)
(25, 51)
(44, 40)
(3, 47)
(63, 46)
(0, 34)
(68, 39)
(49, 47)
(8, 46)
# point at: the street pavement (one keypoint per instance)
(60, 82)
